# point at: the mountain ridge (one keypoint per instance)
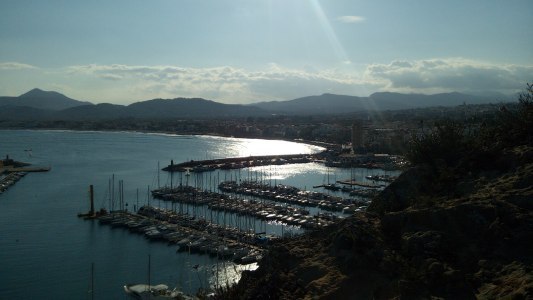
(338, 104)
(39, 104)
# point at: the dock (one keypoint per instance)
(9, 180)
(194, 235)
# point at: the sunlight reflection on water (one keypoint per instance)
(229, 273)
(240, 147)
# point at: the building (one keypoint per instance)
(357, 136)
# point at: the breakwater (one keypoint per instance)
(239, 162)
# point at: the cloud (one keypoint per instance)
(15, 66)
(452, 74)
(351, 19)
(225, 83)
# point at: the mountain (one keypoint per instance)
(183, 108)
(93, 112)
(189, 108)
(337, 104)
(40, 99)
(323, 104)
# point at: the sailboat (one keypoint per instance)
(331, 186)
(153, 292)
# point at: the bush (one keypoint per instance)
(445, 145)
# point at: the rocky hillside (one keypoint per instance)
(458, 225)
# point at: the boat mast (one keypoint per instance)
(113, 193)
(109, 191)
(171, 172)
(92, 281)
(91, 192)
(149, 272)
(158, 185)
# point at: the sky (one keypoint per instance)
(245, 51)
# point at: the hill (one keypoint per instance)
(338, 104)
(182, 108)
(42, 105)
(457, 225)
(189, 108)
(44, 100)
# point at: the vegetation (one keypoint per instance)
(453, 148)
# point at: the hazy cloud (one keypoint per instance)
(455, 74)
(351, 19)
(15, 66)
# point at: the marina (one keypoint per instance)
(10, 179)
(193, 235)
(293, 195)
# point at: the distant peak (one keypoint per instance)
(36, 92)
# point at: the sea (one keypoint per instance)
(47, 252)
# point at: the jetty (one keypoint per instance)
(28, 169)
(239, 162)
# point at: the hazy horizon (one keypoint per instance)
(245, 52)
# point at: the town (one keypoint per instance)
(374, 131)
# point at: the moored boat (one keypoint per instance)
(155, 292)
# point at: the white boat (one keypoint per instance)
(154, 292)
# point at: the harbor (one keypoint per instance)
(50, 201)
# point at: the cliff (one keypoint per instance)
(458, 225)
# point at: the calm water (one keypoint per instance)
(47, 252)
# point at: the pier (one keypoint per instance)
(264, 210)
(195, 235)
(293, 195)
